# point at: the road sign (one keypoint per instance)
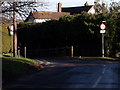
(11, 30)
(102, 26)
(102, 31)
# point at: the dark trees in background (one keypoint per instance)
(100, 7)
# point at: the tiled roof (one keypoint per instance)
(49, 15)
(76, 10)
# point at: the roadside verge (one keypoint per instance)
(13, 67)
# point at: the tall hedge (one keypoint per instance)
(82, 31)
(113, 34)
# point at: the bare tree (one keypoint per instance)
(114, 6)
(100, 7)
(22, 8)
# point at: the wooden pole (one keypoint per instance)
(15, 31)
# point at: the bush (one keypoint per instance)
(6, 39)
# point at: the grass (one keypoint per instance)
(13, 66)
(108, 58)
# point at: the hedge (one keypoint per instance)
(6, 39)
(82, 31)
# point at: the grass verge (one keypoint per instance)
(13, 67)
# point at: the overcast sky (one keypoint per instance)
(52, 4)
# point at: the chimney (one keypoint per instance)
(86, 4)
(59, 7)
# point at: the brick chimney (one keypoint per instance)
(86, 4)
(59, 7)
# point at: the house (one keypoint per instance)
(43, 16)
(77, 10)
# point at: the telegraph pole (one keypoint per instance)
(15, 30)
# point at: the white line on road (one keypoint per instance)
(96, 83)
(104, 70)
(99, 78)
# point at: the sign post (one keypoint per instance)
(103, 51)
(102, 27)
(11, 30)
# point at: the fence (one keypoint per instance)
(51, 52)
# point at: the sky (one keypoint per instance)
(52, 4)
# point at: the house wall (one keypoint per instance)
(92, 10)
(41, 20)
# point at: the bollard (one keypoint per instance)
(18, 53)
(25, 52)
(71, 51)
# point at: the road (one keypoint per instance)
(73, 73)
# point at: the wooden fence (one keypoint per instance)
(50, 52)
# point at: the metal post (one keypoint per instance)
(103, 45)
(71, 51)
(25, 51)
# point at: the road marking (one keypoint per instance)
(99, 78)
(96, 83)
(104, 70)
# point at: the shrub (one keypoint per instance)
(6, 39)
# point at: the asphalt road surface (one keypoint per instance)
(73, 73)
